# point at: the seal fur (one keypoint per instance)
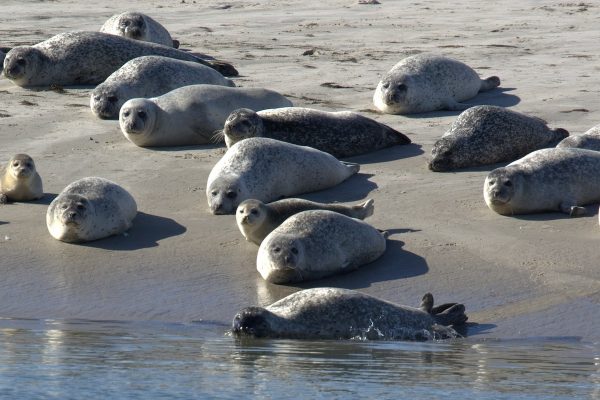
(341, 134)
(590, 140)
(429, 82)
(256, 219)
(333, 313)
(138, 26)
(268, 169)
(19, 180)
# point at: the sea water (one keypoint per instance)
(119, 360)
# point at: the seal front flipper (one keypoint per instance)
(573, 211)
(489, 83)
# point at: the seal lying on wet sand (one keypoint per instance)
(341, 134)
(315, 244)
(429, 82)
(19, 180)
(256, 219)
(89, 209)
(81, 58)
(332, 313)
(557, 179)
(138, 26)
(483, 135)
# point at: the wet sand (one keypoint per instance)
(518, 277)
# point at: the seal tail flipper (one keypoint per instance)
(224, 68)
(454, 315)
(561, 133)
(489, 83)
(354, 168)
(364, 210)
(175, 44)
(397, 137)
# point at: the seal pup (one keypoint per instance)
(333, 313)
(149, 76)
(341, 134)
(483, 135)
(139, 26)
(315, 244)
(19, 180)
(190, 114)
(80, 58)
(556, 179)
(256, 219)
(429, 82)
(590, 140)
(89, 209)
(268, 169)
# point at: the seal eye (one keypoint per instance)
(21, 61)
(277, 249)
(231, 195)
(508, 183)
(112, 99)
(241, 211)
(214, 193)
(254, 211)
(64, 207)
(294, 250)
(80, 207)
(16, 164)
(141, 114)
(492, 181)
(401, 86)
(386, 85)
(126, 113)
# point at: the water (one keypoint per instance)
(116, 360)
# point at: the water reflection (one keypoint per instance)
(84, 359)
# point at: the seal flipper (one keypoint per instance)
(364, 210)
(175, 44)
(395, 136)
(567, 207)
(489, 83)
(455, 315)
(354, 168)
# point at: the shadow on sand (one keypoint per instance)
(388, 154)
(355, 188)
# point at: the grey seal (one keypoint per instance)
(268, 169)
(429, 82)
(89, 209)
(256, 219)
(590, 140)
(341, 134)
(332, 313)
(149, 76)
(556, 179)
(81, 58)
(315, 244)
(138, 26)
(483, 135)
(19, 180)
(189, 115)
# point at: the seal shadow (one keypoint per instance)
(395, 263)
(494, 97)
(4, 222)
(395, 231)
(388, 154)
(590, 212)
(46, 200)
(146, 231)
(355, 188)
(210, 146)
(473, 328)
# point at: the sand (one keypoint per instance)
(524, 276)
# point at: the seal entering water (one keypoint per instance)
(429, 82)
(89, 209)
(483, 135)
(138, 26)
(80, 58)
(19, 180)
(557, 179)
(332, 313)
(341, 134)
(315, 244)
(256, 219)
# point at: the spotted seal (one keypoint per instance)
(429, 82)
(81, 58)
(268, 169)
(341, 134)
(590, 140)
(89, 209)
(138, 26)
(149, 76)
(333, 313)
(315, 244)
(483, 135)
(19, 180)
(190, 114)
(556, 179)
(256, 219)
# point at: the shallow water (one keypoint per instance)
(87, 359)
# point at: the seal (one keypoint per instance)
(557, 179)
(138, 26)
(333, 313)
(256, 219)
(89, 209)
(81, 58)
(315, 244)
(483, 135)
(590, 140)
(341, 134)
(19, 180)
(429, 82)
(268, 169)
(189, 115)
(149, 76)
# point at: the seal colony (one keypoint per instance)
(80, 58)
(138, 26)
(332, 313)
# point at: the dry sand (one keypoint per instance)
(518, 277)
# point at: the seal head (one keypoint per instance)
(392, 95)
(499, 189)
(106, 103)
(225, 193)
(284, 260)
(73, 216)
(138, 117)
(22, 64)
(242, 124)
